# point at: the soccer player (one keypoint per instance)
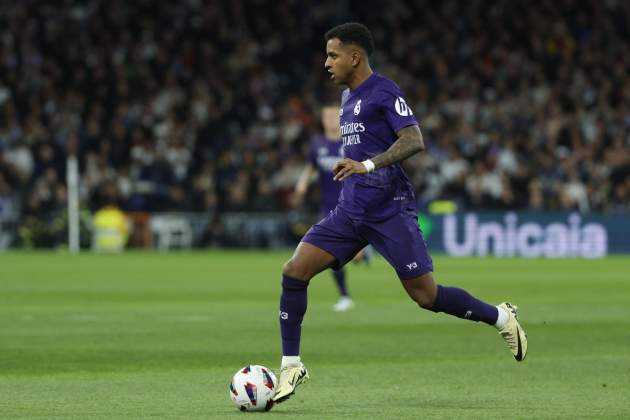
(325, 151)
(376, 206)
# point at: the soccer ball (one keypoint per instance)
(252, 388)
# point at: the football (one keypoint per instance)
(252, 388)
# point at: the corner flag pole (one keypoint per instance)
(72, 179)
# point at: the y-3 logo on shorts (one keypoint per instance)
(412, 265)
(284, 315)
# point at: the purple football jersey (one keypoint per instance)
(370, 117)
(323, 154)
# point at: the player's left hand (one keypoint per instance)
(346, 167)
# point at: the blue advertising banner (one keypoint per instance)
(530, 235)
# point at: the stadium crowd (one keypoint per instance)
(209, 106)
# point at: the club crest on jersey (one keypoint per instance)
(341, 112)
(357, 107)
(402, 108)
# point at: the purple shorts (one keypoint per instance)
(398, 239)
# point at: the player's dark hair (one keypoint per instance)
(353, 33)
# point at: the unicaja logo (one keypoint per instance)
(530, 239)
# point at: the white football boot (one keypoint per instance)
(513, 333)
(343, 304)
(290, 378)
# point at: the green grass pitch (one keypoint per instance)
(148, 335)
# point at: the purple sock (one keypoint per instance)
(292, 310)
(460, 303)
(340, 279)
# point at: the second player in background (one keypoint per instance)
(324, 151)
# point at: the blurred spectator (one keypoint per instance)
(573, 193)
(110, 225)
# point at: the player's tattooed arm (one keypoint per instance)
(409, 143)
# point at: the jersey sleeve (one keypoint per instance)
(397, 112)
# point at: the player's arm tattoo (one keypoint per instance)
(409, 143)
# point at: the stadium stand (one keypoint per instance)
(209, 106)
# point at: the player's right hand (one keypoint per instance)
(347, 167)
